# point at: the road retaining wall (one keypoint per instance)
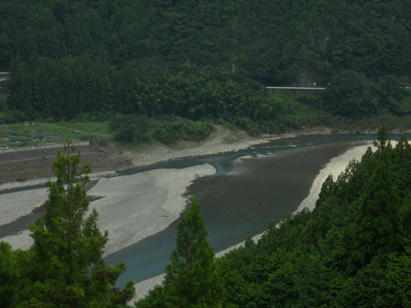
(42, 146)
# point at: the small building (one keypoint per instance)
(29, 123)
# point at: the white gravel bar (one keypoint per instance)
(130, 207)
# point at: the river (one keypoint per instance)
(242, 198)
(251, 188)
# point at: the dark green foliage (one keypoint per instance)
(382, 139)
(191, 94)
(191, 280)
(378, 232)
(64, 267)
(351, 251)
(179, 128)
(352, 94)
(204, 59)
(129, 128)
(8, 276)
(378, 286)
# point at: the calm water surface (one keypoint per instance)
(242, 198)
(239, 201)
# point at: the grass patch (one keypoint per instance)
(231, 139)
(229, 126)
(20, 135)
(184, 146)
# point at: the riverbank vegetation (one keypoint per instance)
(90, 60)
(129, 128)
(353, 250)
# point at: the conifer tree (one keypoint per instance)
(191, 279)
(8, 275)
(64, 267)
(379, 231)
(382, 139)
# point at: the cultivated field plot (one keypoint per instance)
(33, 133)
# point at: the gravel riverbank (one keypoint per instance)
(130, 207)
(221, 141)
(157, 192)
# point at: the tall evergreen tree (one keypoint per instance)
(8, 275)
(379, 231)
(382, 139)
(64, 267)
(191, 279)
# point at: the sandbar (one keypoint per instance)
(130, 207)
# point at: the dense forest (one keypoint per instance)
(201, 60)
(353, 250)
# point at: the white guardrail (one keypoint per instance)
(295, 88)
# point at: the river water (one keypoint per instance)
(242, 198)
(239, 201)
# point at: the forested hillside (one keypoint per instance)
(353, 250)
(204, 59)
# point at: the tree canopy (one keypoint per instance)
(199, 59)
(64, 267)
(191, 279)
(351, 251)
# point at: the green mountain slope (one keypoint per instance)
(351, 251)
(101, 57)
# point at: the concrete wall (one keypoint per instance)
(43, 146)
